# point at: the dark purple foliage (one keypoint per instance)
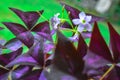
(71, 60)
(29, 18)
(96, 61)
(6, 58)
(43, 29)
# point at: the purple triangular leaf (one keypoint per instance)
(29, 18)
(66, 54)
(6, 58)
(98, 45)
(27, 38)
(82, 46)
(20, 71)
(13, 44)
(74, 13)
(15, 28)
(53, 73)
(43, 30)
(23, 59)
(114, 42)
(98, 55)
(32, 75)
(33, 57)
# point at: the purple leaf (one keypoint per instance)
(74, 13)
(23, 59)
(33, 57)
(52, 73)
(13, 44)
(37, 53)
(15, 28)
(20, 71)
(27, 38)
(32, 75)
(98, 55)
(29, 18)
(98, 45)
(114, 42)
(82, 46)
(66, 54)
(6, 58)
(21, 33)
(43, 29)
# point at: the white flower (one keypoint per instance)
(55, 21)
(83, 22)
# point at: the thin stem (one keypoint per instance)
(63, 8)
(4, 67)
(113, 65)
(66, 29)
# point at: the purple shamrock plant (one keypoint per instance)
(96, 61)
(29, 18)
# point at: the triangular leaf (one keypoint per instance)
(13, 44)
(66, 54)
(82, 46)
(98, 45)
(33, 57)
(15, 28)
(29, 18)
(114, 42)
(6, 58)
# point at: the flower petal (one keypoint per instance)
(80, 28)
(88, 18)
(88, 27)
(82, 15)
(76, 21)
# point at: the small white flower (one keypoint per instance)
(55, 21)
(83, 22)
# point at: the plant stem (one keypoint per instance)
(113, 65)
